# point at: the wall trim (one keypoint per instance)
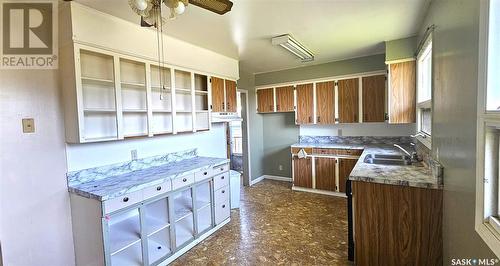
(256, 180)
(278, 178)
(318, 191)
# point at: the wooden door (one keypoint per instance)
(402, 93)
(217, 95)
(265, 100)
(374, 98)
(325, 173)
(305, 104)
(345, 168)
(325, 102)
(302, 172)
(284, 99)
(397, 225)
(231, 96)
(348, 100)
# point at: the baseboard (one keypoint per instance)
(318, 191)
(256, 180)
(278, 178)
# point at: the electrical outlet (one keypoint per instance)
(133, 154)
(281, 167)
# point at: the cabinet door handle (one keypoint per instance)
(277, 107)
(125, 199)
(319, 119)
(355, 117)
(158, 188)
(222, 169)
(310, 119)
(223, 191)
(184, 180)
(224, 206)
(205, 173)
(222, 177)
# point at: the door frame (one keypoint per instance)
(246, 148)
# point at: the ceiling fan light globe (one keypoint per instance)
(180, 8)
(141, 4)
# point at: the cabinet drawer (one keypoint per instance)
(182, 181)
(202, 175)
(307, 150)
(156, 190)
(222, 208)
(324, 151)
(221, 169)
(349, 152)
(221, 180)
(122, 201)
(222, 194)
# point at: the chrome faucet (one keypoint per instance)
(413, 155)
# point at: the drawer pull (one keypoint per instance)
(222, 177)
(222, 169)
(125, 199)
(223, 191)
(158, 188)
(184, 180)
(224, 206)
(205, 173)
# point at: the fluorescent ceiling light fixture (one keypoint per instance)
(288, 42)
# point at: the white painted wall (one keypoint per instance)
(35, 224)
(82, 156)
(372, 129)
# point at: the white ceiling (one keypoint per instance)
(332, 29)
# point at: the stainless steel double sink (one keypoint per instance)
(388, 159)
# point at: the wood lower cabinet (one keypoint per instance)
(218, 101)
(325, 173)
(231, 105)
(397, 225)
(348, 100)
(345, 169)
(305, 104)
(374, 98)
(402, 93)
(302, 172)
(265, 100)
(325, 102)
(284, 99)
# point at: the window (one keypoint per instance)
(424, 93)
(487, 220)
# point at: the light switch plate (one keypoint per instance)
(28, 125)
(133, 155)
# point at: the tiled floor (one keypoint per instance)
(276, 225)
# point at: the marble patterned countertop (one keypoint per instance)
(114, 185)
(419, 175)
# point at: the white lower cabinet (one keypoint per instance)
(150, 231)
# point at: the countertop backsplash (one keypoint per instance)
(404, 140)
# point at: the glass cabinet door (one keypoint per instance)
(203, 207)
(157, 228)
(184, 217)
(124, 238)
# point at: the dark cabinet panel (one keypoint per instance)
(305, 104)
(284, 99)
(374, 98)
(265, 100)
(325, 173)
(348, 100)
(325, 102)
(302, 172)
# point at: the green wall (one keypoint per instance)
(455, 81)
(280, 132)
(337, 68)
(400, 49)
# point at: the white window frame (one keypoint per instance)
(487, 226)
(424, 137)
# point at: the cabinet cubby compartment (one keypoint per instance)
(131, 256)
(124, 231)
(183, 101)
(135, 124)
(157, 217)
(159, 245)
(162, 122)
(200, 83)
(201, 102)
(184, 222)
(133, 85)
(182, 80)
(99, 125)
(165, 77)
(184, 122)
(203, 207)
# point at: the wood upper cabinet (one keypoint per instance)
(218, 101)
(231, 96)
(265, 100)
(345, 168)
(402, 93)
(223, 95)
(284, 99)
(302, 172)
(325, 173)
(305, 104)
(374, 98)
(348, 100)
(397, 225)
(325, 102)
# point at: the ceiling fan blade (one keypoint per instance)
(144, 23)
(220, 7)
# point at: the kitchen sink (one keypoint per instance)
(388, 159)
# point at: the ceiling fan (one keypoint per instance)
(150, 10)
